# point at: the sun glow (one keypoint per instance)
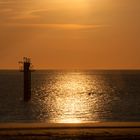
(67, 5)
(70, 98)
(73, 102)
(70, 120)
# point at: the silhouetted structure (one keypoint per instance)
(26, 68)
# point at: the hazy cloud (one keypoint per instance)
(54, 26)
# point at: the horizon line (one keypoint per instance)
(75, 69)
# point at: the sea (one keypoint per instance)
(71, 96)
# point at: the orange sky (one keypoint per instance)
(67, 34)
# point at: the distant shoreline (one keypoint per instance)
(96, 131)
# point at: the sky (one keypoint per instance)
(70, 34)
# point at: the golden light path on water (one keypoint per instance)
(71, 103)
(69, 99)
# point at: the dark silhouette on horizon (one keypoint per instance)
(26, 68)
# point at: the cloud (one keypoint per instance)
(29, 14)
(55, 26)
(11, 10)
(64, 26)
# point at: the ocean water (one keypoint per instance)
(71, 96)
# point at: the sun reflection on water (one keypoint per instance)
(70, 120)
(70, 97)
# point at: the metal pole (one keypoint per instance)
(27, 81)
(26, 69)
